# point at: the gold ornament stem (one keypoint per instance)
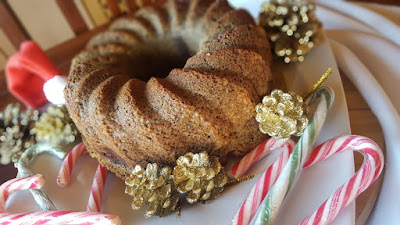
(316, 85)
(239, 180)
(179, 211)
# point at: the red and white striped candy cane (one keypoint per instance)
(58, 217)
(366, 175)
(64, 176)
(260, 189)
(96, 194)
(262, 150)
(68, 164)
(16, 184)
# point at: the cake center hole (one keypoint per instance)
(161, 56)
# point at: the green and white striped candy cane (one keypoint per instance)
(23, 171)
(268, 211)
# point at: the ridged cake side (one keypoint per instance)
(130, 113)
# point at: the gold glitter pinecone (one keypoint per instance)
(55, 126)
(282, 114)
(292, 27)
(16, 132)
(153, 187)
(200, 177)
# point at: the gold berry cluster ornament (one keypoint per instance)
(152, 186)
(55, 126)
(281, 115)
(199, 176)
(16, 132)
(291, 26)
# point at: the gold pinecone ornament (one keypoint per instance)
(55, 126)
(281, 115)
(152, 186)
(292, 27)
(200, 177)
(16, 132)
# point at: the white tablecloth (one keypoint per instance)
(365, 39)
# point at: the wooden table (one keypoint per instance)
(362, 120)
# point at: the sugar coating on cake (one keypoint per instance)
(177, 77)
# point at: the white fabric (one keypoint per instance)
(377, 22)
(365, 39)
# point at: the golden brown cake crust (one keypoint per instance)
(177, 77)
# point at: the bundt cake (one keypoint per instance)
(175, 77)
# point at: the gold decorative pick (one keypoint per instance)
(16, 132)
(196, 175)
(318, 84)
(154, 187)
(240, 180)
(179, 211)
(55, 126)
(200, 177)
(292, 28)
(281, 115)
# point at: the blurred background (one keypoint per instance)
(52, 22)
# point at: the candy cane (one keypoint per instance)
(262, 150)
(96, 194)
(16, 184)
(46, 217)
(64, 176)
(68, 164)
(23, 163)
(366, 175)
(261, 188)
(58, 217)
(271, 204)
